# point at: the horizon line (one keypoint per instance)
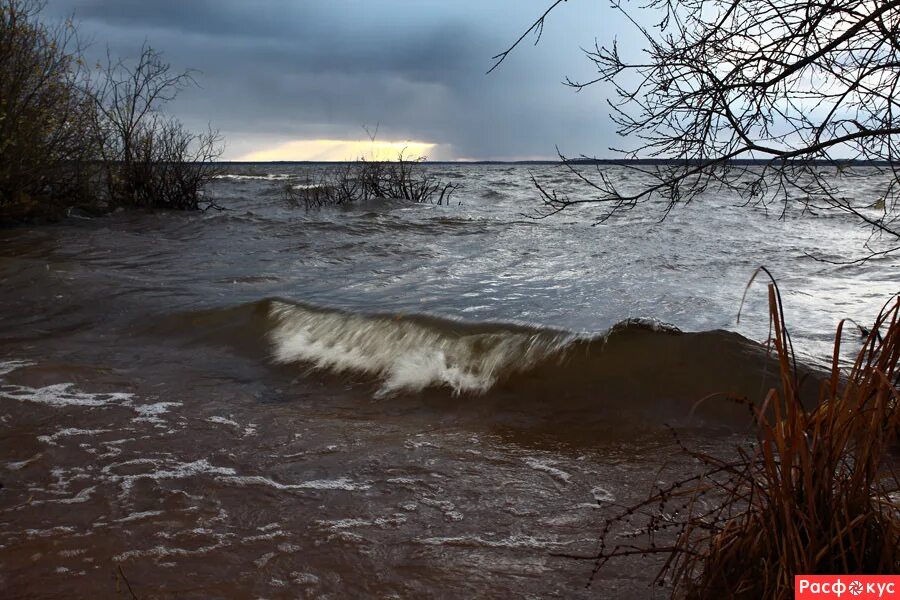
(582, 161)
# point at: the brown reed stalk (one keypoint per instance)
(816, 493)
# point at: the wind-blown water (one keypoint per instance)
(387, 399)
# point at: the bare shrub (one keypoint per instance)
(45, 116)
(72, 138)
(150, 159)
(403, 179)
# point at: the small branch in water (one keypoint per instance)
(127, 584)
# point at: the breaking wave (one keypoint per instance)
(408, 354)
(636, 362)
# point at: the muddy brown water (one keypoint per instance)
(393, 401)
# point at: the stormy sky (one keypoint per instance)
(291, 79)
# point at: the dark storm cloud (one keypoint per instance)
(275, 70)
(344, 36)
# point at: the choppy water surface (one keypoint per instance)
(390, 400)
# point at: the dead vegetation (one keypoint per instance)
(815, 494)
(362, 180)
(95, 139)
(45, 117)
(149, 160)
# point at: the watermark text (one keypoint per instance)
(857, 587)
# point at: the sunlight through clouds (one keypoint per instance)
(340, 150)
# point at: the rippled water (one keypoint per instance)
(390, 400)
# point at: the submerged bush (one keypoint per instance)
(816, 494)
(363, 180)
(69, 137)
(46, 116)
(149, 160)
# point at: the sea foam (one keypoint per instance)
(406, 354)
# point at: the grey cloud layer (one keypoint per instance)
(278, 70)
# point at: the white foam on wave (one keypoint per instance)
(162, 469)
(8, 366)
(249, 429)
(404, 354)
(224, 421)
(445, 506)
(150, 413)
(57, 394)
(319, 484)
(21, 464)
(159, 552)
(511, 542)
(602, 495)
(64, 395)
(52, 531)
(82, 496)
(69, 432)
(138, 516)
(67, 395)
(266, 177)
(548, 468)
(393, 521)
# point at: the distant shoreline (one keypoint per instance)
(592, 161)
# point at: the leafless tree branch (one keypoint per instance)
(780, 101)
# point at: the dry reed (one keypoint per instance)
(816, 493)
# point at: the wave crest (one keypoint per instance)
(636, 371)
(408, 354)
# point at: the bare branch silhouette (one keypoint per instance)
(150, 160)
(781, 101)
(537, 27)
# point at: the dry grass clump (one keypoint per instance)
(816, 494)
(363, 180)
